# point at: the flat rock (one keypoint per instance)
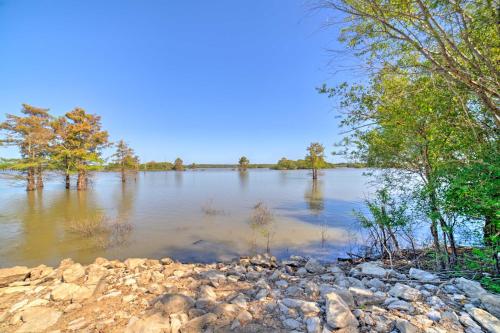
(152, 324)
(313, 266)
(404, 326)
(372, 269)
(338, 314)
(70, 291)
(421, 275)
(13, 274)
(470, 288)
(366, 297)
(405, 292)
(489, 322)
(198, 324)
(38, 319)
(491, 303)
(176, 303)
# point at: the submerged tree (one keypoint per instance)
(85, 140)
(316, 158)
(126, 159)
(178, 166)
(243, 163)
(61, 152)
(261, 220)
(32, 134)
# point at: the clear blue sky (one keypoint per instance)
(208, 81)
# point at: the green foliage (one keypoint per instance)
(243, 163)
(178, 166)
(156, 166)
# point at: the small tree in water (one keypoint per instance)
(178, 166)
(316, 158)
(261, 220)
(32, 134)
(125, 158)
(243, 163)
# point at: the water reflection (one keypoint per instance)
(36, 227)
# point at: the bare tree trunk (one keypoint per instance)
(123, 175)
(315, 173)
(31, 179)
(39, 177)
(81, 183)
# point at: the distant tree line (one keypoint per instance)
(71, 144)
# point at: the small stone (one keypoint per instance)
(434, 315)
(133, 263)
(197, 324)
(366, 297)
(281, 284)
(313, 325)
(404, 326)
(405, 292)
(244, 317)
(291, 324)
(73, 273)
(401, 305)
(372, 269)
(175, 303)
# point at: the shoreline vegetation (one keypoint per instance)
(246, 294)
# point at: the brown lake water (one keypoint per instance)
(200, 215)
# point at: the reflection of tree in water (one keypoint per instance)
(314, 198)
(243, 176)
(178, 178)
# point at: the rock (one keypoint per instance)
(372, 269)
(291, 324)
(470, 288)
(207, 292)
(40, 272)
(401, 305)
(152, 324)
(405, 292)
(197, 324)
(133, 263)
(313, 325)
(77, 324)
(466, 320)
(434, 315)
(240, 301)
(261, 294)
(423, 276)
(489, 322)
(304, 306)
(244, 317)
(404, 326)
(313, 266)
(226, 310)
(176, 322)
(38, 319)
(73, 273)
(70, 291)
(175, 303)
(376, 283)
(9, 275)
(366, 297)
(491, 303)
(281, 284)
(338, 314)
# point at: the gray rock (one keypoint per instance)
(434, 315)
(291, 324)
(313, 266)
(38, 319)
(366, 297)
(470, 288)
(376, 283)
(73, 273)
(313, 325)
(175, 303)
(13, 274)
(281, 284)
(197, 324)
(304, 306)
(401, 306)
(489, 322)
(467, 321)
(338, 314)
(423, 276)
(491, 303)
(404, 326)
(372, 269)
(405, 292)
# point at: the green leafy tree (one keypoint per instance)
(178, 166)
(316, 158)
(85, 140)
(243, 163)
(286, 164)
(126, 159)
(457, 40)
(32, 134)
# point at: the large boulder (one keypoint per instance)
(470, 288)
(491, 303)
(73, 273)
(175, 303)
(38, 319)
(405, 292)
(423, 276)
(338, 314)
(489, 322)
(13, 274)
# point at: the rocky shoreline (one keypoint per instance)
(257, 294)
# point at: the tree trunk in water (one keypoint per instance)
(31, 179)
(315, 174)
(81, 183)
(123, 175)
(39, 178)
(67, 181)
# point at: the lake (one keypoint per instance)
(196, 215)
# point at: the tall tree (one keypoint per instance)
(61, 151)
(457, 39)
(126, 159)
(178, 166)
(85, 140)
(316, 158)
(32, 134)
(243, 163)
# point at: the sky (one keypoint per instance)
(207, 81)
